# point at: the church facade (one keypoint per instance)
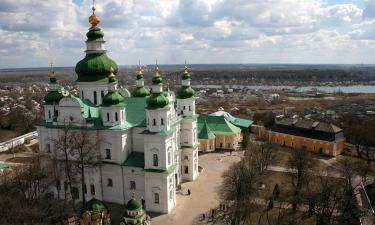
(147, 140)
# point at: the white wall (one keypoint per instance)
(159, 183)
(186, 107)
(115, 193)
(138, 176)
(88, 89)
(158, 116)
(119, 143)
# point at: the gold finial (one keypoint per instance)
(186, 69)
(52, 71)
(139, 70)
(111, 70)
(94, 20)
(157, 70)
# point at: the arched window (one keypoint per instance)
(107, 116)
(116, 116)
(49, 114)
(95, 98)
(162, 121)
(102, 95)
(154, 122)
(155, 160)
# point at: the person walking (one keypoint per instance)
(189, 192)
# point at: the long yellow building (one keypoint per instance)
(313, 136)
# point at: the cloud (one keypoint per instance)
(204, 31)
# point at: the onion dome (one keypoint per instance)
(185, 91)
(113, 98)
(186, 74)
(53, 97)
(95, 33)
(157, 101)
(156, 80)
(96, 65)
(95, 206)
(140, 73)
(140, 90)
(133, 204)
(52, 76)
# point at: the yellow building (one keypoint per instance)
(313, 136)
(220, 132)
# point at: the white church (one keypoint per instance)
(148, 137)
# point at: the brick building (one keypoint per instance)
(314, 136)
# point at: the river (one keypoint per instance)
(368, 89)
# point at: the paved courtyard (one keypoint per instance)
(204, 191)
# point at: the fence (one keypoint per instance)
(6, 145)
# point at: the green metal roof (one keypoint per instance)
(135, 159)
(243, 123)
(185, 92)
(219, 125)
(53, 97)
(162, 133)
(95, 67)
(3, 166)
(133, 204)
(168, 171)
(140, 92)
(95, 206)
(206, 133)
(157, 101)
(113, 98)
(135, 111)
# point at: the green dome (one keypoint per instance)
(139, 76)
(95, 67)
(157, 80)
(113, 98)
(140, 92)
(134, 204)
(157, 100)
(52, 80)
(95, 205)
(53, 97)
(186, 76)
(95, 34)
(185, 92)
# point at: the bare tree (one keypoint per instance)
(261, 155)
(88, 155)
(63, 146)
(302, 164)
(25, 197)
(238, 185)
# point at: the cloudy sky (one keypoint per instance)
(35, 32)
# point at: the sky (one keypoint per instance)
(34, 33)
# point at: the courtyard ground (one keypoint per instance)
(204, 191)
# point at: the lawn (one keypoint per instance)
(282, 154)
